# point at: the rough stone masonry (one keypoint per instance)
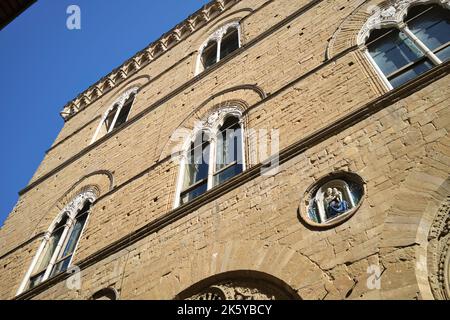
(300, 71)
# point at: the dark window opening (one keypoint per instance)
(230, 43)
(209, 55)
(124, 113)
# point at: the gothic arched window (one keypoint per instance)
(219, 45)
(420, 42)
(213, 157)
(195, 181)
(117, 115)
(56, 251)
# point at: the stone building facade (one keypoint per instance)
(338, 181)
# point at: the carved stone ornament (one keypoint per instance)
(77, 204)
(217, 118)
(241, 290)
(439, 253)
(219, 33)
(121, 101)
(392, 14)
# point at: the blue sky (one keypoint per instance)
(43, 65)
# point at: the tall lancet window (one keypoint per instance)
(214, 157)
(55, 254)
(117, 115)
(209, 55)
(220, 44)
(423, 41)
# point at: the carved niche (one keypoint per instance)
(439, 253)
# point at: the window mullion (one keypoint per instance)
(58, 249)
(116, 116)
(421, 45)
(219, 48)
(181, 174)
(241, 123)
(212, 161)
(66, 241)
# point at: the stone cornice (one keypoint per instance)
(146, 56)
(297, 148)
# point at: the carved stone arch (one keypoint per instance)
(135, 82)
(240, 97)
(216, 36)
(288, 265)
(220, 31)
(117, 102)
(345, 35)
(438, 261)
(239, 285)
(216, 116)
(391, 14)
(120, 101)
(236, 15)
(210, 122)
(355, 29)
(406, 232)
(97, 183)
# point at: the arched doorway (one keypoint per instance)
(239, 285)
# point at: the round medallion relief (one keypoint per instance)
(333, 199)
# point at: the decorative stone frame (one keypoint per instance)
(211, 126)
(439, 253)
(119, 103)
(71, 211)
(312, 190)
(391, 15)
(217, 36)
(239, 285)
